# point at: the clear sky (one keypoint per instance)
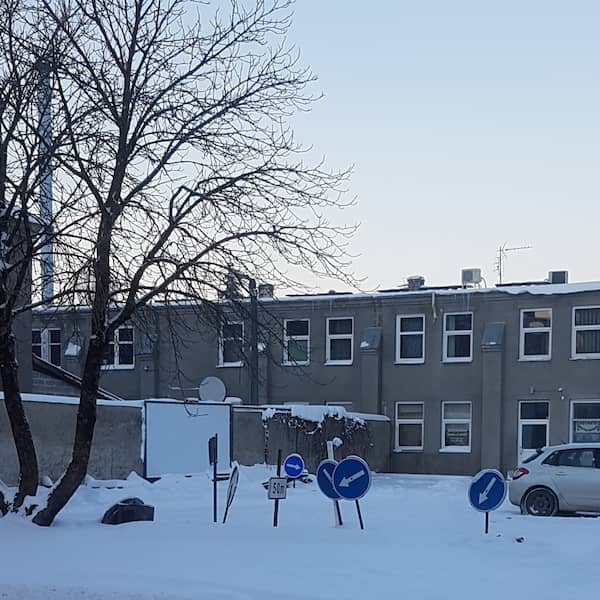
(469, 123)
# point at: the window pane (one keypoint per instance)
(587, 316)
(537, 344)
(340, 349)
(55, 352)
(459, 346)
(126, 354)
(411, 346)
(576, 458)
(586, 410)
(587, 342)
(533, 436)
(410, 434)
(296, 328)
(232, 351)
(458, 410)
(36, 336)
(297, 351)
(109, 355)
(534, 410)
(456, 434)
(411, 324)
(54, 336)
(409, 411)
(232, 330)
(458, 322)
(537, 318)
(586, 431)
(125, 334)
(340, 326)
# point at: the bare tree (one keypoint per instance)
(187, 156)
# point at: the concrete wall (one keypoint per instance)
(116, 450)
(257, 441)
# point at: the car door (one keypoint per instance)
(577, 478)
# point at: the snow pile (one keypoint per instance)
(315, 413)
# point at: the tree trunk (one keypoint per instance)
(84, 433)
(28, 465)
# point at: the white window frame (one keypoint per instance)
(522, 422)
(400, 334)
(523, 332)
(398, 422)
(46, 345)
(469, 421)
(286, 339)
(575, 329)
(117, 366)
(236, 363)
(572, 416)
(338, 336)
(461, 332)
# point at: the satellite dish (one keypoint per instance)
(211, 389)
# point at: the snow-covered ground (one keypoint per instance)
(421, 541)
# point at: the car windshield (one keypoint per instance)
(533, 456)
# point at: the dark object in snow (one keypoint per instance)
(520, 540)
(128, 510)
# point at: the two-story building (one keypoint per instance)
(470, 377)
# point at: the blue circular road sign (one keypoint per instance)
(293, 466)
(352, 478)
(325, 478)
(487, 490)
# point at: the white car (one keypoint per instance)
(555, 479)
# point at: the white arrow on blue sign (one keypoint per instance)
(293, 466)
(487, 490)
(325, 478)
(352, 478)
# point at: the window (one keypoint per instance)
(586, 332)
(533, 426)
(46, 344)
(231, 345)
(458, 337)
(574, 457)
(119, 354)
(410, 339)
(456, 426)
(585, 422)
(409, 426)
(339, 341)
(296, 342)
(536, 334)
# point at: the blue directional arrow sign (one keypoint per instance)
(325, 478)
(352, 478)
(293, 466)
(487, 490)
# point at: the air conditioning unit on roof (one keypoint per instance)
(471, 276)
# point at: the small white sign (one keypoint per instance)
(277, 488)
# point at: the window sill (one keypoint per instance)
(228, 365)
(295, 364)
(534, 358)
(407, 450)
(117, 367)
(449, 361)
(410, 361)
(335, 363)
(586, 357)
(455, 450)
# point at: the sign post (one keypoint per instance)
(352, 480)
(212, 459)
(325, 482)
(277, 489)
(487, 492)
(233, 483)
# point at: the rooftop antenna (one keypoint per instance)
(502, 256)
(44, 98)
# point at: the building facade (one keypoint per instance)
(469, 377)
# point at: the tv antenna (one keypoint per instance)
(502, 256)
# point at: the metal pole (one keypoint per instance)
(253, 343)
(337, 513)
(360, 519)
(276, 510)
(215, 481)
(487, 521)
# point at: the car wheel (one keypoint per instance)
(541, 502)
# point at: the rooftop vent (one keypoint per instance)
(558, 277)
(415, 282)
(470, 277)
